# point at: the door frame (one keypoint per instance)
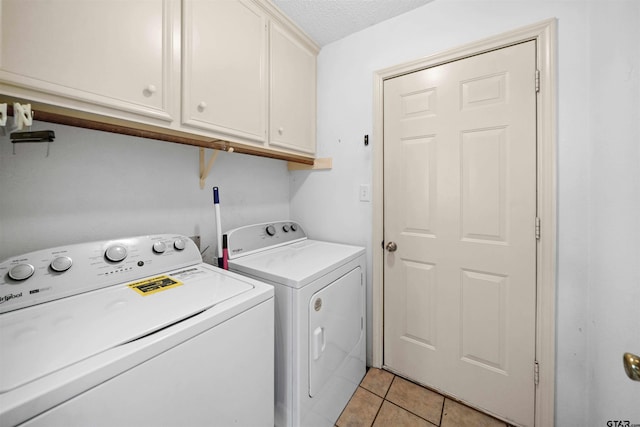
(544, 33)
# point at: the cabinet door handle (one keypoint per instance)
(202, 106)
(280, 131)
(150, 90)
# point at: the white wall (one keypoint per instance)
(614, 208)
(98, 185)
(598, 166)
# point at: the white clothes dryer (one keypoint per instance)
(320, 329)
(133, 332)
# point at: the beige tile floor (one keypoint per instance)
(384, 399)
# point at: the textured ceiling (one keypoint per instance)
(326, 21)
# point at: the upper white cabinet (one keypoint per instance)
(224, 68)
(248, 75)
(105, 53)
(230, 70)
(293, 92)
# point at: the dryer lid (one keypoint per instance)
(297, 264)
(44, 338)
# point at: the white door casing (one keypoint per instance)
(542, 34)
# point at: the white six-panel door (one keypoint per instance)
(460, 204)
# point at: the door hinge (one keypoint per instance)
(537, 81)
(537, 228)
(536, 373)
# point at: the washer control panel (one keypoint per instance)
(257, 237)
(50, 274)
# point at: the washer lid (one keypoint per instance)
(44, 338)
(296, 264)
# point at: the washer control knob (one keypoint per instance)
(159, 247)
(115, 253)
(286, 228)
(21, 271)
(294, 227)
(61, 264)
(179, 244)
(271, 230)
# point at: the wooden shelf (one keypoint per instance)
(51, 114)
(318, 164)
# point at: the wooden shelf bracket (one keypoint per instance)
(204, 171)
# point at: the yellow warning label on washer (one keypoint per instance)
(155, 284)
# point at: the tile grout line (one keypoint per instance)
(442, 411)
(384, 399)
(376, 394)
(411, 412)
(377, 413)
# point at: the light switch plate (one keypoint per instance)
(365, 193)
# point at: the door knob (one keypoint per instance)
(392, 247)
(631, 364)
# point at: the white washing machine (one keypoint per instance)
(320, 317)
(133, 332)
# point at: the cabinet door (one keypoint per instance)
(293, 93)
(109, 53)
(224, 83)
